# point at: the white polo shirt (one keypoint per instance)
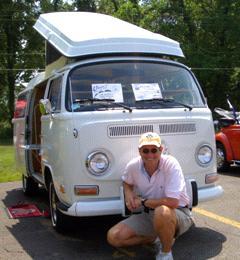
(166, 181)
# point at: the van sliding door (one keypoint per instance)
(33, 131)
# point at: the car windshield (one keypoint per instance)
(131, 85)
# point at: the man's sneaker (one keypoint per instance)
(164, 256)
(157, 245)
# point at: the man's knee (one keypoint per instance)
(117, 235)
(164, 215)
(113, 236)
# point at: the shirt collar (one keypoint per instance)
(143, 171)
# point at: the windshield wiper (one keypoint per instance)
(165, 100)
(103, 101)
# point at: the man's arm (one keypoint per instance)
(169, 202)
(131, 199)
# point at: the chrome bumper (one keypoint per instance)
(116, 206)
(95, 208)
(209, 193)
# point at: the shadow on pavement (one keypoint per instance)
(86, 237)
(198, 243)
(233, 171)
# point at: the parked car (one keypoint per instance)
(227, 137)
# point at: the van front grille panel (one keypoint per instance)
(129, 130)
(164, 129)
(177, 128)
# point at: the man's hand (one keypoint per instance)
(133, 202)
(131, 199)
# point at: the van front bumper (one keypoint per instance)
(209, 193)
(116, 206)
(94, 208)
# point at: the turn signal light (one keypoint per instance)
(86, 190)
(211, 177)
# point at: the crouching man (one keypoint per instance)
(154, 181)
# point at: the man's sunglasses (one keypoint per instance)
(153, 150)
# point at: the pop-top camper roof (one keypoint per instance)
(76, 34)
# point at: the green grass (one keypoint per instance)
(8, 170)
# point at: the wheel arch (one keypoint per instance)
(222, 139)
(47, 176)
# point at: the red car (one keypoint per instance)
(227, 138)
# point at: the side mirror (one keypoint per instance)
(45, 106)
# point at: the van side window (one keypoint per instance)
(54, 94)
(20, 106)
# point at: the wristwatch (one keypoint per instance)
(146, 209)
(143, 202)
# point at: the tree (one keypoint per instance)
(85, 5)
(16, 17)
(22, 48)
(208, 32)
(220, 49)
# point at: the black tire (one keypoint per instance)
(222, 163)
(29, 186)
(57, 217)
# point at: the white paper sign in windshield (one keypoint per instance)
(146, 91)
(108, 91)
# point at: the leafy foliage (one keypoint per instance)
(207, 30)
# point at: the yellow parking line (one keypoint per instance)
(217, 217)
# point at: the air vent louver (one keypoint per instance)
(129, 130)
(177, 128)
(164, 129)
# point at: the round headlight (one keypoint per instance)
(204, 155)
(97, 163)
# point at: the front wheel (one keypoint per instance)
(29, 186)
(57, 217)
(222, 163)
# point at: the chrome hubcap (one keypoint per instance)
(220, 157)
(53, 205)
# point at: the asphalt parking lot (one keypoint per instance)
(216, 234)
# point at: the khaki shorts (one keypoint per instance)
(142, 223)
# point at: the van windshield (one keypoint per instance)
(133, 84)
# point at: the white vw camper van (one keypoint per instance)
(106, 82)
